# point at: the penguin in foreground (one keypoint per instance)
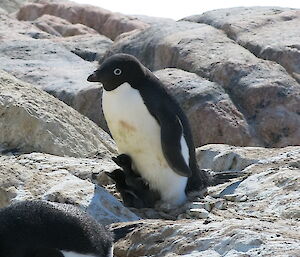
(41, 229)
(148, 125)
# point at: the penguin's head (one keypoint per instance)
(119, 69)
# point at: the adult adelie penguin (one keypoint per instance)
(41, 229)
(148, 125)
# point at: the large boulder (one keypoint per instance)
(61, 27)
(88, 47)
(89, 102)
(14, 5)
(32, 120)
(268, 32)
(262, 91)
(47, 65)
(232, 237)
(12, 29)
(11, 5)
(55, 64)
(60, 179)
(259, 214)
(105, 22)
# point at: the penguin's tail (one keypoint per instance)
(216, 178)
(120, 231)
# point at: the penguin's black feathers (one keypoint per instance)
(173, 123)
(31, 228)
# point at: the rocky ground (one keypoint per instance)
(235, 72)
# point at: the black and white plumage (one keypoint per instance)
(148, 125)
(41, 229)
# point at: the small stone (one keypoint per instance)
(197, 205)
(181, 216)
(220, 204)
(208, 206)
(241, 198)
(198, 213)
(235, 198)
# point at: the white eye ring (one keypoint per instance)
(117, 71)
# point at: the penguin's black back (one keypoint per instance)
(31, 228)
(156, 96)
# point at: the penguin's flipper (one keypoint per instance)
(172, 138)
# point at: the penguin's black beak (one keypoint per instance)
(93, 77)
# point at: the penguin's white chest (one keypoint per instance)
(137, 133)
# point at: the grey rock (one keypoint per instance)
(2, 11)
(88, 47)
(198, 213)
(271, 179)
(268, 32)
(55, 179)
(11, 5)
(227, 157)
(32, 120)
(61, 27)
(230, 237)
(88, 101)
(261, 218)
(152, 20)
(14, 5)
(11, 28)
(47, 65)
(54, 64)
(105, 22)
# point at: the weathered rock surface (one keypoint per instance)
(11, 5)
(2, 11)
(88, 47)
(152, 20)
(219, 157)
(45, 64)
(57, 179)
(32, 120)
(105, 22)
(271, 187)
(14, 5)
(260, 217)
(88, 101)
(60, 27)
(266, 95)
(231, 237)
(52, 63)
(12, 29)
(267, 32)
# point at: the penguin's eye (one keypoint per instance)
(117, 71)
